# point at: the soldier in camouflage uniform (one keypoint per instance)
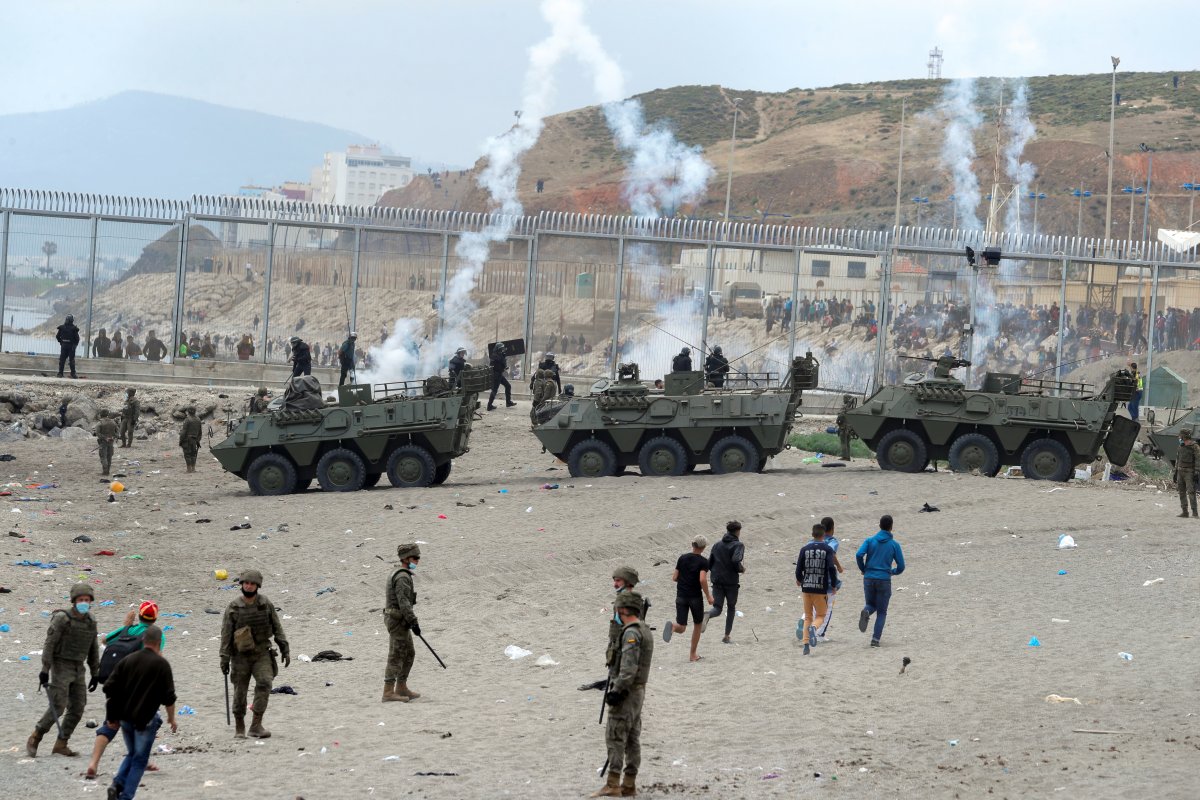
(626, 691)
(189, 438)
(250, 622)
(129, 417)
(260, 401)
(1186, 462)
(401, 622)
(70, 641)
(106, 434)
(843, 426)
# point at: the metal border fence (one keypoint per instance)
(1065, 253)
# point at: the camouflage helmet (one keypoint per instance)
(102, 412)
(262, 391)
(251, 576)
(190, 410)
(629, 600)
(80, 589)
(1186, 433)
(408, 550)
(847, 399)
(627, 574)
(131, 391)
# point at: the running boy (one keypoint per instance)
(816, 576)
(691, 590)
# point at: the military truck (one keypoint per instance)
(742, 299)
(409, 430)
(1047, 427)
(1164, 442)
(623, 423)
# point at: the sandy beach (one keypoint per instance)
(530, 567)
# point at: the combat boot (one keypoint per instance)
(257, 731)
(611, 788)
(628, 786)
(31, 745)
(402, 688)
(239, 732)
(60, 748)
(390, 695)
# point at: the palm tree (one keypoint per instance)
(49, 248)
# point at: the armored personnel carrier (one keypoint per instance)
(1047, 427)
(410, 430)
(1164, 442)
(623, 423)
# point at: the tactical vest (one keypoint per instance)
(646, 654)
(77, 637)
(257, 617)
(392, 600)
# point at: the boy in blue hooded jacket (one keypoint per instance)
(878, 559)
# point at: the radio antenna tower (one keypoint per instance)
(935, 64)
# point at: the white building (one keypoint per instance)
(359, 176)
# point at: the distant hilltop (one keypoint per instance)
(157, 145)
(828, 157)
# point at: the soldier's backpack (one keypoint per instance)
(539, 387)
(114, 651)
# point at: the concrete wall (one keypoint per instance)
(189, 372)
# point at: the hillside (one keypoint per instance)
(829, 156)
(141, 143)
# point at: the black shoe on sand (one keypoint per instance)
(864, 617)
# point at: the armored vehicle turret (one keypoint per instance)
(623, 423)
(1047, 427)
(408, 430)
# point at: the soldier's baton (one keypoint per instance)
(227, 699)
(435, 655)
(53, 710)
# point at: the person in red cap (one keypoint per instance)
(122, 641)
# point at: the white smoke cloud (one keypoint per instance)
(1020, 173)
(958, 148)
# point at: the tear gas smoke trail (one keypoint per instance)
(958, 148)
(400, 356)
(1020, 173)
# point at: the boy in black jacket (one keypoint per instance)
(816, 575)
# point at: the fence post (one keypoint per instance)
(441, 298)
(1150, 338)
(881, 314)
(266, 315)
(91, 282)
(180, 288)
(1062, 321)
(353, 321)
(530, 295)
(708, 279)
(620, 290)
(4, 271)
(795, 305)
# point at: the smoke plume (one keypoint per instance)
(958, 148)
(1020, 173)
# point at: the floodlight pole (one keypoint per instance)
(1112, 116)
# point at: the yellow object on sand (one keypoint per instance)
(117, 486)
(221, 574)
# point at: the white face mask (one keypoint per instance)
(82, 607)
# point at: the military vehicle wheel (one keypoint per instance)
(973, 451)
(341, 470)
(902, 450)
(371, 479)
(441, 473)
(270, 474)
(662, 456)
(410, 466)
(1046, 460)
(591, 458)
(733, 453)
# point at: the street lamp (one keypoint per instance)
(1080, 193)
(1132, 191)
(1035, 196)
(737, 102)
(1149, 175)
(1191, 188)
(920, 201)
(1112, 116)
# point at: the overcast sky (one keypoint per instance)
(433, 78)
